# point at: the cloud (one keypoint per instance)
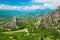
(47, 5)
(26, 7)
(46, 0)
(33, 7)
(51, 5)
(29, 7)
(8, 7)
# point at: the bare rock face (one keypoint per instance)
(51, 19)
(47, 20)
(38, 22)
(13, 23)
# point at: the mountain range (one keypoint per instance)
(23, 13)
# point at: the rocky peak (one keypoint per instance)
(52, 17)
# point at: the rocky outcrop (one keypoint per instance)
(38, 22)
(13, 23)
(52, 19)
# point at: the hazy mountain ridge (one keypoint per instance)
(11, 13)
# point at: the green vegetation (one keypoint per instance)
(46, 28)
(40, 33)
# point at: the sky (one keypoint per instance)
(28, 4)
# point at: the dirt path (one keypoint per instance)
(58, 31)
(11, 32)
